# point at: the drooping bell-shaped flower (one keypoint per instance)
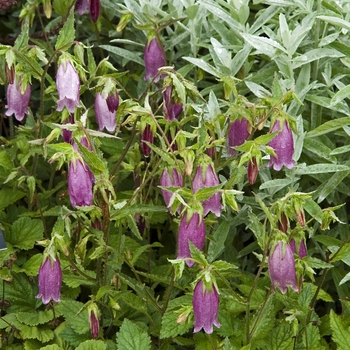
(94, 320)
(207, 179)
(253, 170)
(171, 110)
(193, 231)
(68, 87)
(17, 103)
(282, 268)
(105, 118)
(166, 181)
(82, 6)
(113, 101)
(50, 280)
(205, 307)
(237, 134)
(283, 146)
(154, 58)
(302, 251)
(95, 9)
(79, 183)
(147, 135)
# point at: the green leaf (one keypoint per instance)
(314, 55)
(9, 196)
(35, 318)
(328, 241)
(92, 344)
(340, 334)
(343, 253)
(216, 245)
(51, 347)
(170, 327)
(275, 183)
(131, 336)
(199, 62)
(258, 229)
(340, 95)
(44, 334)
(263, 45)
(281, 338)
(95, 163)
(67, 33)
(25, 231)
(336, 21)
(128, 55)
(320, 169)
(329, 126)
(76, 317)
(22, 39)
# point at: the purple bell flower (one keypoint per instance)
(105, 118)
(80, 181)
(67, 134)
(17, 103)
(167, 181)
(94, 321)
(147, 135)
(50, 280)
(113, 101)
(210, 179)
(68, 87)
(82, 6)
(95, 9)
(302, 248)
(154, 58)
(283, 146)
(282, 268)
(171, 110)
(193, 231)
(237, 134)
(205, 307)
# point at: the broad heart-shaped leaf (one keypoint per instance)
(51, 347)
(131, 336)
(170, 328)
(35, 318)
(67, 33)
(76, 317)
(25, 231)
(92, 345)
(281, 338)
(340, 334)
(9, 196)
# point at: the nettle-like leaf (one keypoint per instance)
(340, 333)
(131, 336)
(93, 345)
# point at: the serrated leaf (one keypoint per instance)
(25, 231)
(281, 338)
(9, 196)
(92, 344)
(67, 33)
(258, 229)
(51, 347)
(93, 161)
(340, 334)
(170, 327)
(130, 336)
(35, 318)
(44, 334)
(22, 39)
(76, 317)
(134, 301)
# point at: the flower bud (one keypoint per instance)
(105, 118)
(154, 58)
(94, 10)
(94, 320)
(79, 183)
(17, 103)
(147, 135)
(302, 251)
(253, 170)
(282, 268)
(68, 87)
(283, 146)
(283, 223)
(207, 179)
(166, 181)
(50, 280)
(194, 231)
(205, 308)
(237, 134)
(171, 110)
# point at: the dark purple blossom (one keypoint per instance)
(171, 110)
(166, 181)
(205, 307)
(105, 118)
(95, 9)
(68, 87)
(113, 101)
(208, 179)
(50, 280)
(17, 103)
(282, 268)
(283, 146)
(237, 134)
(82, 6)
(302, 251)
(94, 321)
(193, 231)
(147, 135)
(154, 58)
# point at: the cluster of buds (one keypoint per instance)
(50, 280)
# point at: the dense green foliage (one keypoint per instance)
(227, 60)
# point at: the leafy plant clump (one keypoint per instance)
(174, 175)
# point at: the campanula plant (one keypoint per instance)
(154, 57)
(104, 116)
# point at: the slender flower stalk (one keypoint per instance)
(283, 146)
(68, 87)
(194, 231)
(50, 280)
(154, 58)
(17, 103)
(282, 268)
(205, 307)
